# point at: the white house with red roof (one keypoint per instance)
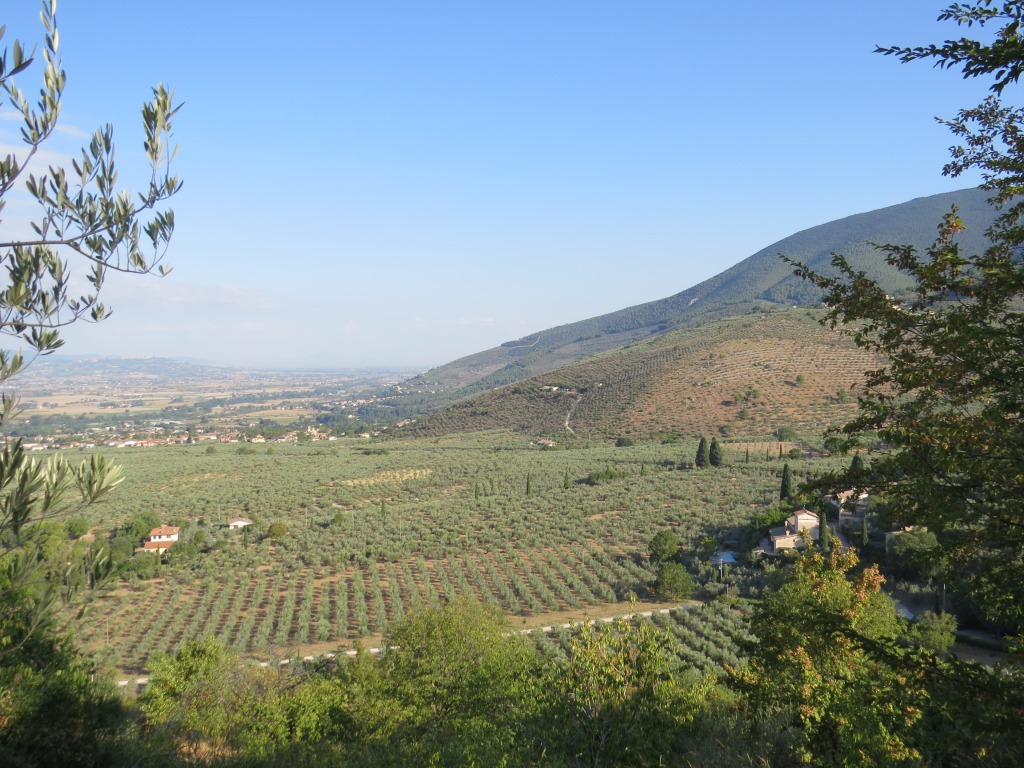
(161, 538)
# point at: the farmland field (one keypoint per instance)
(375, 529)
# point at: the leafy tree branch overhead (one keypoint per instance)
(83, 227)
(948, 404)
(81, 214)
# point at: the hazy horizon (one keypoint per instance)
(400, 185)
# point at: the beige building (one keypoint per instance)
(790, 535)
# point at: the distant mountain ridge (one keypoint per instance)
(761, 279)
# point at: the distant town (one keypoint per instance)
(147, 402)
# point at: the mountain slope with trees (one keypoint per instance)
(741, 376)
(759, 281)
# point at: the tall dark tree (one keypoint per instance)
(857, 465)
(786, 487)
(702, 453)
(715, 453)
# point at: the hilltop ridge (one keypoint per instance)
(758, 282)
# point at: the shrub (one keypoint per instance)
(673, 582)
(933, 632)
(77, 527)
(605, 475)
(785, 434)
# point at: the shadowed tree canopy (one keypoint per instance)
(948, 404)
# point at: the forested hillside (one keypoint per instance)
(738, 376)
(757, 281)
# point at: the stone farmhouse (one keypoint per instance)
(791, 534)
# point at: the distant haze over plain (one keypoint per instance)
(408, 183)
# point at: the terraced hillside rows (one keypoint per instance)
(370, 535)
(744, 376)
(268, 611)
(706, 638)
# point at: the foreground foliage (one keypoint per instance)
(52, 711)
(948, 404)
(811, 673)
(833, 679)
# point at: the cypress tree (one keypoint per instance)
(565, 480)
(715, 453)
(527, 483)
(748, 454)
(786, 489)
(702, 453)
(857, 465)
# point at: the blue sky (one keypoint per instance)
(403, 183)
